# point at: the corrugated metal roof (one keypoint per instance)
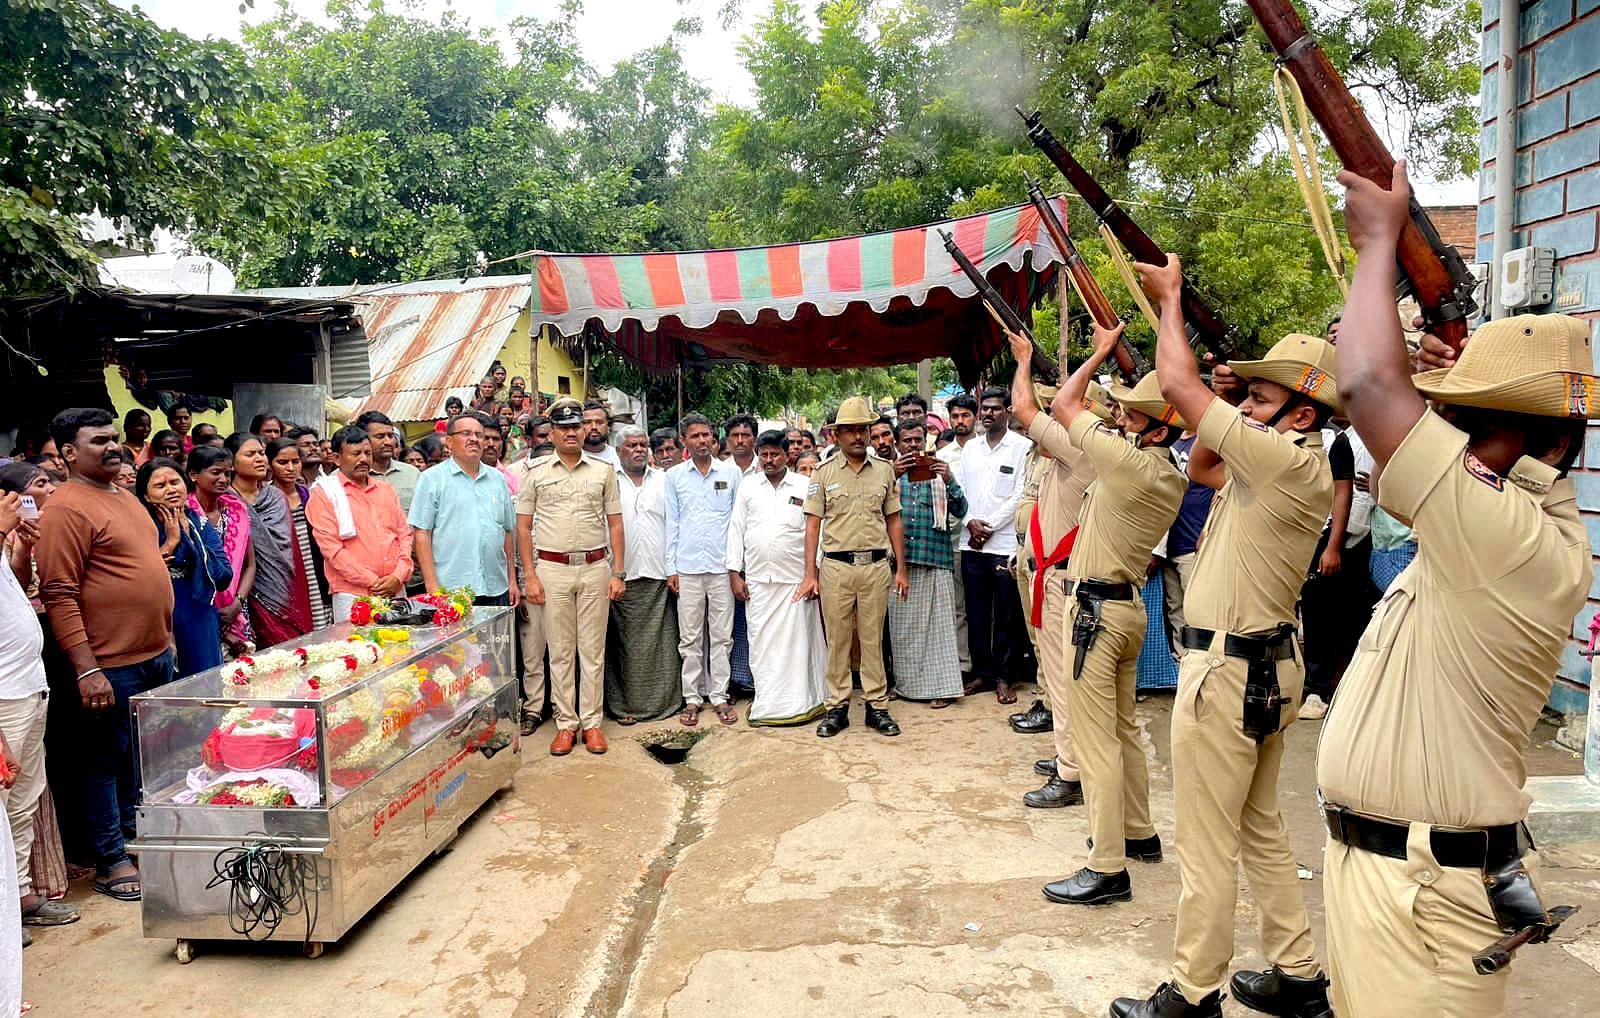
(425, 347)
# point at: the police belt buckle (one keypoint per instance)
(861, 558)
(577, 558)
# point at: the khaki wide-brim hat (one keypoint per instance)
(1527, 364)
(1146, 398)
(1299, 362)
(856, 410)
(1094, 399)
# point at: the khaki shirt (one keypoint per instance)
(1062, 489)
(1034, 468)
(854, 505)
(1432, 717)
(571, 505)
(1127, 510)
(1257, 544)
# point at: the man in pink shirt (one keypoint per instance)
(358, 524)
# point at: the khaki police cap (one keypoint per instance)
(565, 412)
(1299, 362)
(1146, 398)
(1094, 399)
(1526, 364)
(856, 410)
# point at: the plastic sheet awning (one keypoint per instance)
(864, 301)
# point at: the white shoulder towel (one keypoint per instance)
(332, 485)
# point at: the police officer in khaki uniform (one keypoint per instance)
(858, 499)
(565, 571)
(1131, 504)
(1420, 767)
(1241, 676)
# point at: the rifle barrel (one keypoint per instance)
(1206, 325)
(1044, 367)
(1438, 276)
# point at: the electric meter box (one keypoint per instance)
(1527, 278)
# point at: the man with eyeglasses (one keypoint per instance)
(464, 522)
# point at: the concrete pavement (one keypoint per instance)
(770, 873)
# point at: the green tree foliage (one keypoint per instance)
(103, 112)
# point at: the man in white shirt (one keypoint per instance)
(597, 432)
(766, 565)
(642, 662)
(991, 474)
(739, 438)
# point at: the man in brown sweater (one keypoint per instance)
(109, 596)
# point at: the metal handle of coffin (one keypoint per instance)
(140, 845)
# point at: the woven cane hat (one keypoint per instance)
(1094, 399)
(856, 410)
(1146, 398)
(1299, 362)
(1527, 364)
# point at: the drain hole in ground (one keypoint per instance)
(673, 747)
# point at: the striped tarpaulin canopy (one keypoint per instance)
(875, 299)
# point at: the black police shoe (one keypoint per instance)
(1140, 849)
(1168, 1002)
(880, 719)
(1034, 721)
(835, 721)
(1038, 706)
(1054, 794)
(1087, 887)
(1273, 992)
(1045, 768)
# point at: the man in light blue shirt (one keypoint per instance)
(464, 520)
(700, 496)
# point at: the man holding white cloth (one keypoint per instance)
(359, 526)
(766, 565)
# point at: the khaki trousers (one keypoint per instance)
(1116, 780)
(1225, 793)
(1402, 933)
(1025, 592)
(855, 600)
(22, 721)
(575, 612)
(533, 644)
(1053, 672)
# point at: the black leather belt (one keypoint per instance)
(1276, 646)
(1486, 848)
(1101, 590)
(858, 558)
(1033, 564)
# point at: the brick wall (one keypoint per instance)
(1457, 225)
(1557, 205)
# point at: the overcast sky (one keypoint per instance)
(608, 31)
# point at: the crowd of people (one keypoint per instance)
(675, 572)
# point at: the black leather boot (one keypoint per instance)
(1140, 849)
(1034, 720)
(1272, 992)
(1045, 768)
(835, 721)
(1088, 887)
(1167, 1002)
(880, 719)
(1054, 794)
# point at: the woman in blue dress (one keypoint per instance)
(195, 559)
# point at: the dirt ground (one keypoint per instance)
(770, 873)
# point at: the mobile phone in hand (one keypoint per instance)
(27, 508)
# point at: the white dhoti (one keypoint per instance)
(788, 655)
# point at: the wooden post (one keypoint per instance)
(586, 368)
(679, 422)
(925, 378)
(534, 335)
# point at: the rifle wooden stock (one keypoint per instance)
(1435, 272)
(1129, 361)
(1043, 367)
(1204, 323)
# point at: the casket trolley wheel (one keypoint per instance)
(313, 948)
(183, 951)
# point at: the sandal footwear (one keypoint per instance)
(627, 721)
(690, 717)
(50, 913)
(726, 713)
(940, 704)
(1004, 693)
(115, 887)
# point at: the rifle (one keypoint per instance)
(1129, 360)
(1434, 272)
(1043, 367)
(1203, 322)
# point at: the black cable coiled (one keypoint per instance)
(266, 885)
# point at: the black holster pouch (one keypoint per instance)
(1518, 912)
(1085, 629)
(1263, 699)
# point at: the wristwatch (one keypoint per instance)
(617, 574)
